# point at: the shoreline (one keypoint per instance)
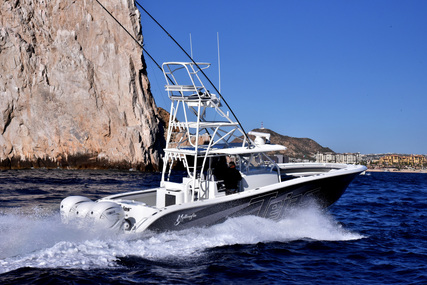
(394, 170)
(75, 162)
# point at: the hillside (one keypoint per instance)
(296, 147)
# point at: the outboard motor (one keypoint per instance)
(107, 214)
(83, 209)
(68, 207)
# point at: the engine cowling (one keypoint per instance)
(83, 209)
(68, 207)
(86, 213)
(107, 215)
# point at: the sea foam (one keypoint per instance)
(37, 239)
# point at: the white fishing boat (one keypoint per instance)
(202, 136)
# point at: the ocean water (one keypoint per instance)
(375, 234)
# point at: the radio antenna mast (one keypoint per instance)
(219, 63)
(191, 47)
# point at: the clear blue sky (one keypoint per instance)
(352, 75)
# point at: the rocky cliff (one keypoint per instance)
(73, 86)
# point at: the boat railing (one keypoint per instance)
(197, 125)
(183, 88)
(193, 82)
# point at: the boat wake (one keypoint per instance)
(38, 239)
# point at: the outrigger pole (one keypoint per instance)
(201, 70)
(140, 44)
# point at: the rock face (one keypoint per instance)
(73, 86)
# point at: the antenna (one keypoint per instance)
(191, 47)
(219, 63)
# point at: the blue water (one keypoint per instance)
(375, 234)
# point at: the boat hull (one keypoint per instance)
(272, 203)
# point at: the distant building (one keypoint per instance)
(396, 159)
(280, 158)
(298, 160)
(330, 157)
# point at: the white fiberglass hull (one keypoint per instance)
(323, 183)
